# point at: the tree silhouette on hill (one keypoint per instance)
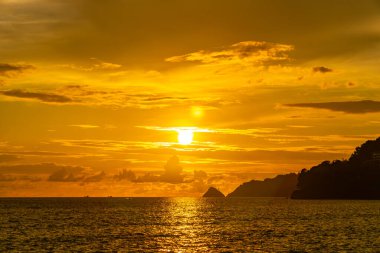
(355, 178)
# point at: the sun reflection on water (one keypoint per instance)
(186, 223)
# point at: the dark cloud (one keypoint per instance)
(75, 174)
(69, 175)
(7, 158)
(125, 175)
(172, 173)
(164, 98)
(364, 106)
(31, 172)
(7, 178)
(95, 178)
(42, 168)
(12, 178)
(45, 97)
(147, 177)
(74, 86)
(7, 69)
(36, 153)
(64, 175)
(322, 69)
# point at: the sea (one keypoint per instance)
(188, 225)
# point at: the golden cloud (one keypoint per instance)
(257, 52)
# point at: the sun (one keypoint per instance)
(185, 136)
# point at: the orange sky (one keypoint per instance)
(93, 94)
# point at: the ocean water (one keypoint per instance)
(188, 225)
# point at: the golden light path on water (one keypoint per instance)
(184, 215)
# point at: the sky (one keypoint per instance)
(168, 98)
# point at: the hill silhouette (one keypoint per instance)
(213, 192)
(355, 178)
(279, 186)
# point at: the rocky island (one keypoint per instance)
(212, 192)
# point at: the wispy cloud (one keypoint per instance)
(41, 96)
(203, 147)
(8, 158)
(247, 51)
(42, 168)
(94, 65)
(231, 131)
(9, 70)
(357, 107)
(85, 126)
(51, 172)
(176, 129)
(117, 98)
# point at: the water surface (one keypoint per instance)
(189, 225)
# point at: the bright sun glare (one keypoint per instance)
(185, 136)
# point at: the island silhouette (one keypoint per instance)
(355, 178)
(279, 186)
(212, 192)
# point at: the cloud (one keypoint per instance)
(199, 184)
(126, 175)
(75, 174)
(45, 97)
(200, 174)
(12, 178)
(74, 86)
(217, 150)
(246, 51)
(230, 131)
(7, 158)
(7, 178)
(42, 168)
(35, 172)
(142, 98)
(364, 106)
(322, 69)
(95, 178)
(95, 65)
(9, 70)
(85, 126)
(36, 153)
(172, 173)
(63, 175)
(147, 177)
(158, 98)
